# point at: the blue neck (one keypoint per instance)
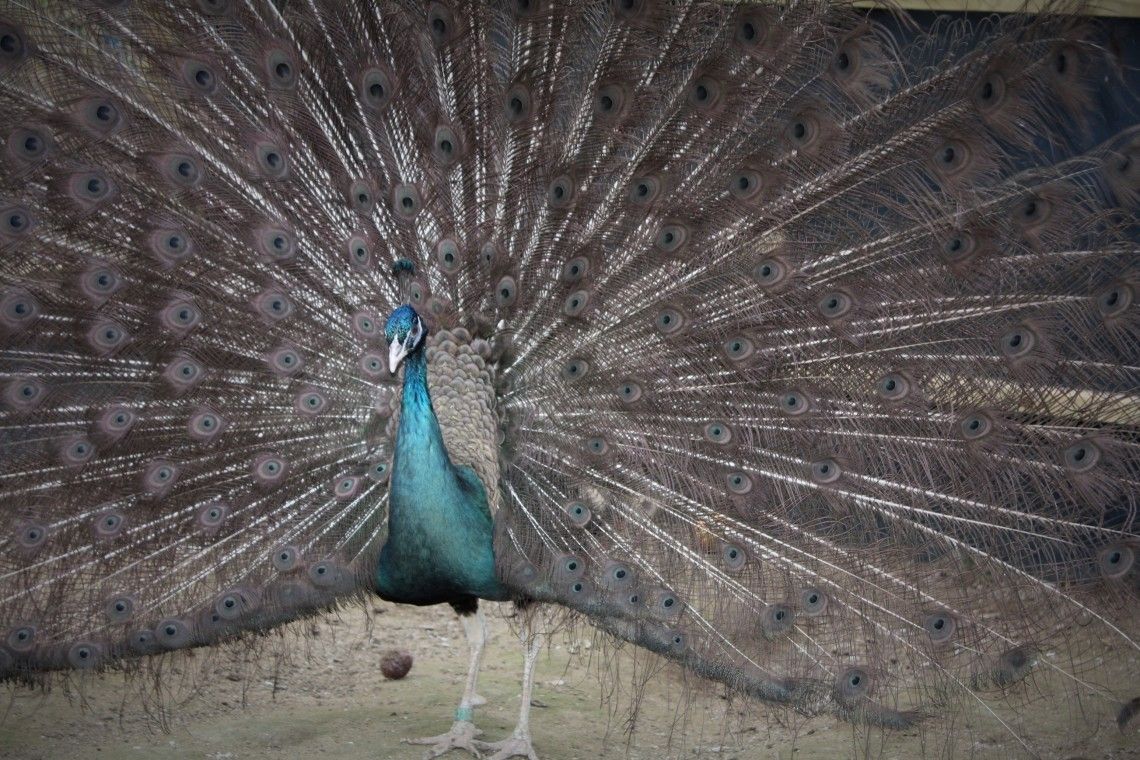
(420, 451)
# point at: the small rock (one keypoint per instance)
(395, 663)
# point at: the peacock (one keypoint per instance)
(795, 345)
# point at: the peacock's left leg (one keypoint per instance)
(518, 744)
(463, 732)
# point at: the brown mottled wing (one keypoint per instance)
(461, 381)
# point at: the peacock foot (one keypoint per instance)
(515, 745)
(461, 736)
(478, 700)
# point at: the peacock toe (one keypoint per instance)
(461, 736)
(513, 746)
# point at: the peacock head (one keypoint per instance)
(405, 333)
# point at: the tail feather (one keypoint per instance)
(796, 347)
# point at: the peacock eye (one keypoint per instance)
(990, 94)
(672, 237)
(644, 190)
(739, 483)
(575, 369)
(1018, 342)
(734, 557)
(1115, 300)
(1082, 456)
(826, 471)
(505, 291)
(893, 387)
(794, 403)
(770, 273)
(835, 305)
(630, 391)
(718, 432)
(813, 602)
(746, 184)
(975, 426)
(669, 321)
(738, 348)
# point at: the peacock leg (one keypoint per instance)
(518, 744)
(463, 732)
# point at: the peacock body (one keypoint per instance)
(798, 349)
(439, 546)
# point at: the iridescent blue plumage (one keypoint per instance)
(439, 522)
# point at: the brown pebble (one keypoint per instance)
(395, 663)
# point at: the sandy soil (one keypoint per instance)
(333, 703)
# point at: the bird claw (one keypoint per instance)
(513, 746)
(461, 736)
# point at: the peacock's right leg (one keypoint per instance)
(519, 743)
(463, 732)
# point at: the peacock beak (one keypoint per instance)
(396, 353)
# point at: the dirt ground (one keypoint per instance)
(333, 703)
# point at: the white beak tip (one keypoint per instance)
(396, 354)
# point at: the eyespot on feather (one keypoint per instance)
(116, 421)
(644, 190)
(23, 393)
(442, 26)
(611, 101)
(517, 104)
(893, 387)
(1116, 560)
(16, 222)
(91, 188)
(212, 517)
(630, 391)
(269, 469)
(276, 244)
(1018, 342)
(285, 360)
(120, 608)
(108, 525)
(76, 451)
(198, 76)
(159, 476)
(739, 483)
(578, 513)
(940, 627)
(184, 373)
(205, 424)
(561, 192)
(825, 471)
(280, 68)
(406, 200)
(813, 602)
(376, 89)
(100, 282)
(19, 310)
(106, 337)
(852, 685)
(29, 144)
(171, 245)
(14, 46)
(1112, 302)
(771, 273)
(794, 403)
(734, 557)
(670, 321)
(100, 116)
